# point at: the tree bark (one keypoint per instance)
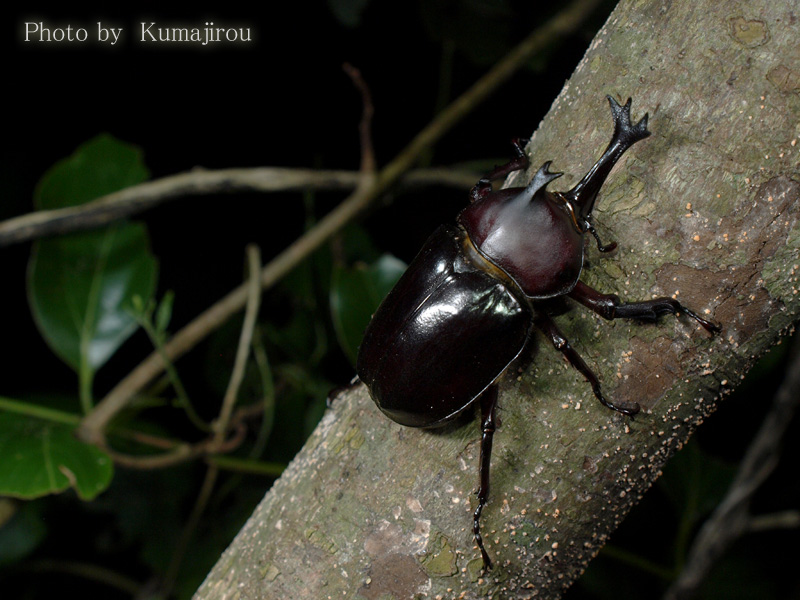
(705, 210)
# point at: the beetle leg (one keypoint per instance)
(488, 405)
(518, 163)
(584, 194)
(547, 326)
(610, 307)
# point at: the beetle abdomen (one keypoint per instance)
(443, 335)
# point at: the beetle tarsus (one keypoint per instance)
(488, 405)
(629, 409)
(476, 530)
(625, 133)
(548, 327)
(707, 325)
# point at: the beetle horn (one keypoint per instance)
(583, 195)
(540, 180)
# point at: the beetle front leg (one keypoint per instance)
(519, 163)
(548, 327)
(626, 134)
(609, 306)
(488, 405)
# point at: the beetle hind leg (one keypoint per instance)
(549, 328)
(488, 425)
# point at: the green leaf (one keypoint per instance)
(100, 166)
(81, 289)
(164, 312)
(81, 286)
(41, 457)
(355, 295)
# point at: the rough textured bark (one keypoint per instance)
(706, 209)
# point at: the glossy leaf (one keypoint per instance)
(81, 286)
(356, 293)
(100, 166)
(41, 457)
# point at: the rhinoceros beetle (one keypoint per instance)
(466, 306)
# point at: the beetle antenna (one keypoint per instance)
(600, 246)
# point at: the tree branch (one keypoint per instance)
(706, 210)
(137, 199)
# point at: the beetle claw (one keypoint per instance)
(629, 409)
(625, 131)
(710, 327)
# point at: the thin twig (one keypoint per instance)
(245, 341)
(368, 162)
(732, 518)
(180, 453)
(157, 340)
(136, 199)
(787, 519)
(226, 410)
(90, 572)
(249, 466)
(93, 426)
(171, 575)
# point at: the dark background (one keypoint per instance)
(283, 100)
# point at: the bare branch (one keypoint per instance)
(221, 424)
(787, 519)
(368, 162)
(245, 340)
(136, 199)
